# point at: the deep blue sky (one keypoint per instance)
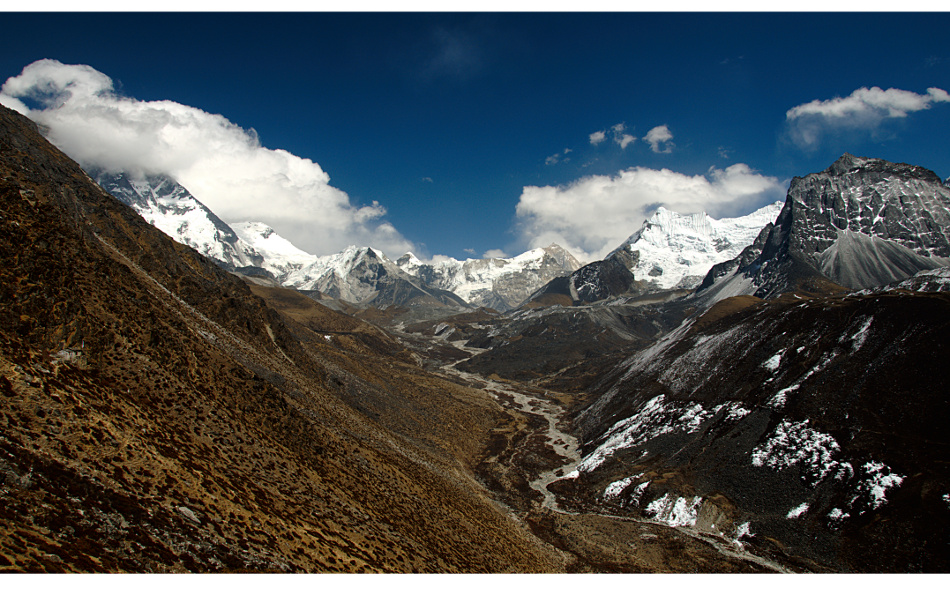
(477, 102)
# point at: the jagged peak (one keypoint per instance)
(846, 163)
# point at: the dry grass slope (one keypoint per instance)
(157, 415)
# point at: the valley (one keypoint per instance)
(535, 452)
(165, 410)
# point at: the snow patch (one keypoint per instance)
(861, 336)
(837, 517)
(681, 512)
(773, 362)
(778, 401)
(743, 530)
(736, 412)
(613, 490)
(655, 418)
(797, 511)
(794, 443)
(879, 480)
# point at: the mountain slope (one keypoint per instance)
(169, 206)
(813, 430)
(280, 257)
(366, 277)
(158, 416)
(860, 223)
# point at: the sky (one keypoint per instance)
(472, 134)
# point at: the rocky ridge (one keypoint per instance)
(861, 223)
(169, 206)
(497, 283)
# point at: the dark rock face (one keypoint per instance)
(596, 281)
(860, 223)
(821, 423)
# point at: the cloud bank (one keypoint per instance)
(864, 110)
(595, 214)
(222, 164)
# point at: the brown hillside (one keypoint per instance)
(157, 415)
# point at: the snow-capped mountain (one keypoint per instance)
(860, 223)
(670, 251)
(676, 251)
(364, 276)
(499, 283)
(169, 206)
(281, 257)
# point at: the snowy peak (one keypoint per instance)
(677, 250)
(280, 256)
(499, 283)
(169, 206)
(366, 277)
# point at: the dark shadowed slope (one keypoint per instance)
(815, 430)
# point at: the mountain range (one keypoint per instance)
(670, 250)
(236, 404)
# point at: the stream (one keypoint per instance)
(566, 446)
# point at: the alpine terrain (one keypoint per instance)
(759, 394)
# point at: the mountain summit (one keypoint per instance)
(670, 251)
(170, 207)
(676, 251)
(499, 283)
(860, 223)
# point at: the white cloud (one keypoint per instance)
(595, 214)
(558, 158)
(222, 164)
(659, 139)
(617, 132)
(495, 253)
(865, 109)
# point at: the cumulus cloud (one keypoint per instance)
(221, 163)
(598, 137)
(495, 253)
(595, 214)
(865, 109)
(659, 139)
